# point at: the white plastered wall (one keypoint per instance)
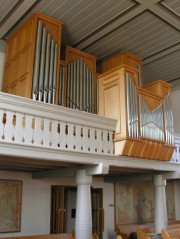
(176, 110)
(36, 196)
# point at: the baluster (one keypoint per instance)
(74, 134)
(102, 139)
(89, 139)
(33, 124)
(23, 126)
(14, 125)
(4, 120)
(82, 134)
(50, 131)
(59, 132)
(95, 137)
(66, 133)
(42, 130)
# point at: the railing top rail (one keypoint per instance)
(45, 110)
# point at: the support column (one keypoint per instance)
(161, 219)
(83, 224)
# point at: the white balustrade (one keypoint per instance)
(176, 155)
(24, 121)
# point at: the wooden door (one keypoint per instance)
(97, 211)
(57, 210)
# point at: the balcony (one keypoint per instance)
(33, 132)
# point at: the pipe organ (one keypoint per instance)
(33, 69)
(31, 64)
(145, 122)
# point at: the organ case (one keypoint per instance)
(20, 55)
(145, 124)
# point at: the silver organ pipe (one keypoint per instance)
(37, 60)
(151, 121)
(61, 85)
(74, 84)
(42, 63)
(54, 72)
(80, 86)
(132, 111)
(168, 120)
(46, 76)
(51, 72)
(45, 67)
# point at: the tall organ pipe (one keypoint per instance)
(74, 84)
(51, 72)
(78, 84)
(54, 72)
(42, 63)
(37, 60)
(81, 83)
(61, 85)
(47, 61)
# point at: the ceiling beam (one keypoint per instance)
(14, 18)
(161, 54)
(101, 168)
(110, 27)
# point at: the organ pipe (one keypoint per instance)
(80, 86)
(45, 67)
(37, 60)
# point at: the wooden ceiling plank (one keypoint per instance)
(22, 9)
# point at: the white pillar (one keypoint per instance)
(83, 224)
(160, 220)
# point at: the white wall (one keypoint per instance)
(36, 194)
(177, 198)
(176, 110)
(2, 58)
(71, 204)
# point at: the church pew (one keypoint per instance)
(50, 236)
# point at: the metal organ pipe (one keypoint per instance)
(42, 63)
(54, 72)
(132, 113)
(46, 76)
(37, 60)
(51, 72)
(61, 85)
(45, 68)
(80, 88)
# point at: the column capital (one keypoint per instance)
(158, 180)
(82, 178)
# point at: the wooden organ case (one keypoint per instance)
(145, 123)
(31, 64)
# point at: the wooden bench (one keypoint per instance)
(174, 232)
(50, 236)
(125, 231)
(173, 226)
